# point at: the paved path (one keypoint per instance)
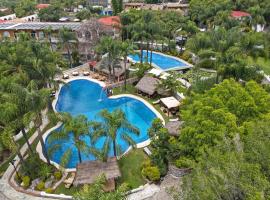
(6, 191)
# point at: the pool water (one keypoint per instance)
(160, 60)
(88, 98)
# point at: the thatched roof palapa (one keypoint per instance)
(174, 127)
(147, 85)
(88, 172)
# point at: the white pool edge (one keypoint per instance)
(102, 84)
(188, 65)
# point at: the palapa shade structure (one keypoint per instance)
(170, 102)
(174, 127)
(88, 172)
(147, 85)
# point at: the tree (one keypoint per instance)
(67, 38)
(117, 6)
(79, 127)
(84, 14)
(160, 144)
(25, 7)
(127, 48)
(96, 191)
(110, 47)
(52, 13)
(113, 125)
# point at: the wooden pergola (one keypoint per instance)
(88, 172)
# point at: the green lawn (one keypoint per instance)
(264, 63)
(71, 191)
(130, 167)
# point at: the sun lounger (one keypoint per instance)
(75, 73)
(69, 181)
(156, 102)
(174, 120)
(86, 73)
(147, 151)
(65, 76)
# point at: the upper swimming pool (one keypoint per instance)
(162, 61)
(88, 98)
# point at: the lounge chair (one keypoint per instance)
(69, 181)
(86, 73)
(65, 76)
(147, 151)
(75, 73)
(156, 102)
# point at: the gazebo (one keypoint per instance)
(147, 85)
(171, 103)
(88, 172)
(174, 127)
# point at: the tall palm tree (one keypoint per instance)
(127, 48)
(38, 99)
(79, 127)
(110, 47)
(67, 37)
(112, 125)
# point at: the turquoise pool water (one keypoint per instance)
(88, 98)
(161, 61)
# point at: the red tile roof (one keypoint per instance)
(237, 14)
(2, 21)
(41, 6)
(110, 21)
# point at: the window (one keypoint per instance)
(6, 34)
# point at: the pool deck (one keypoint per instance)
(187, 65)
(102, 84)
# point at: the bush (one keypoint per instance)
(146, 163)
(40, 186)
(186, 56)
(49, 190)
(151, 173)
(184, 163)
(57, 175)
(26, 181)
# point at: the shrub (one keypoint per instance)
(40, 186)
(49, 190)
(184, 162)
(26, 181)
(146, 163)
(186, 56)
(57, 175)
(18, 178)
(151, 173)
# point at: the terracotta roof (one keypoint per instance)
(42, 5)
(110, 21)
(3, 21)
(88, 172)
(237, 14)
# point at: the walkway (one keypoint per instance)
(6, 191)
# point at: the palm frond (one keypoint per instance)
(128, 139)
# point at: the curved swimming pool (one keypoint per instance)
(162, 61)
(88, 98)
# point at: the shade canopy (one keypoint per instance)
(88, 172)
(170, 102)
(147, 85)
(155, 71)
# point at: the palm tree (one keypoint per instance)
(112, 125)
(48, 33)
(110, 47)
(38, 99)
(79, 127)
(127, 48)
(66, 37)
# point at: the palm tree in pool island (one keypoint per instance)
(79, 127)
(113, 124)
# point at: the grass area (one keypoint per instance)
(130, 167)
(132, 90)
(262, 62)
(71, 191)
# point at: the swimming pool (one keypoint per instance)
(162, 61)
(88, 98)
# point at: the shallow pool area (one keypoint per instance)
(89, 98)
(161, 61)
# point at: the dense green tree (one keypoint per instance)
(25, 7)
(51, 14)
